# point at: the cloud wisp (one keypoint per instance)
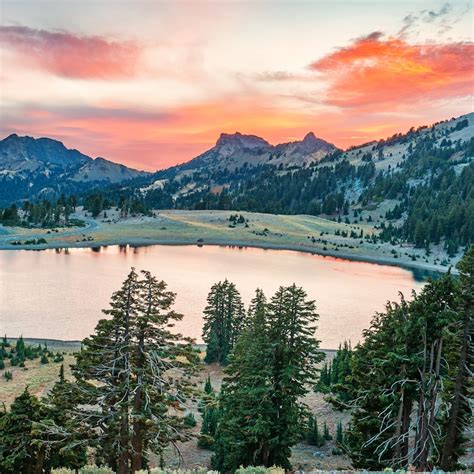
(67, 55)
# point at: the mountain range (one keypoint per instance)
(44, 168)
(33, 168)
(235, 150)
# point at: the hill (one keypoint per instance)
(44, 168)
(415, 187)
(233, 152)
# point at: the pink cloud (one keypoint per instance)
(378, 73)
(68, 55)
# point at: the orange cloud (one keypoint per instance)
(376, 72)
(67, 55)
(156, 139)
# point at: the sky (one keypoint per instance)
(154, 83)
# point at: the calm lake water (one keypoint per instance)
(59, 294)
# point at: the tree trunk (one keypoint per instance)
(38, 468)
(448, 458)
(400, 454)
(137, 437)
(124, 454)
(138, 428)
(428, 401)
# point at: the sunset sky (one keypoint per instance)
(150, 84)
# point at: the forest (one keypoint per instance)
(44, 213)
(406, 386)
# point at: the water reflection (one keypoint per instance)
(60, 293)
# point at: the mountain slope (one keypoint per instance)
(33, 168)
(415, 187)
(233, 151)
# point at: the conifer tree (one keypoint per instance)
(294, 358)
(133, 376)
(461, 363)
(224, 318)
(339, 433)
(209, 409)
(20, 349)
(208, 390)
(313, 436)
(243, 435)
(58, 430)
(274, 360)
(326, 434)
(19, 451)
(398, 375)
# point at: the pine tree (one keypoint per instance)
(133, 376)
(339, 433)
(460, 413)
(208, 390)
(20, 349)
(224, 318)
(313, 437)
(270, 367)
(18, 450)
(324, 382)
(243, 435)
(208, 406)
(326, 434)
(58, 430)
(398, 367)
(294, 358)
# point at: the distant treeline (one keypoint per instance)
(50, 214)
(43, 213)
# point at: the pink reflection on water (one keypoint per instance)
(59, 294)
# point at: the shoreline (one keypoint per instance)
(144, 242)
(74, 343)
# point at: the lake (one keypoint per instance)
(59, 294)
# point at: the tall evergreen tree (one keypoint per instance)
(398, 375)
(294, 358)
(133, 376)
(58, 430)
(461, 364)
(274, 360)
(243, 436)
(223, 320)
(313, 436)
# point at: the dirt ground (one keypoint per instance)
(304, 456)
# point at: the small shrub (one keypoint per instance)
(205, 442)
(189, 420)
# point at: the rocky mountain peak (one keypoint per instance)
(239, 140)
(310, 137)
(312, 143)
